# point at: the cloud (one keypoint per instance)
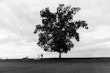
(97, 38)
(19, 17)
(13, 50)
(101, 32)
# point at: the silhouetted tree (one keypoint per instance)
(58, 28)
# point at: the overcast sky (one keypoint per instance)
(19, 17)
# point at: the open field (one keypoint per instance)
(56, 66)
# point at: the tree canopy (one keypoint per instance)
(57, 29)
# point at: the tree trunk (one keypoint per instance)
(59, 54)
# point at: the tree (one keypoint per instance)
(57, 29)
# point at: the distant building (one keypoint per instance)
(25, 57)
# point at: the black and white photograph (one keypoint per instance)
(54, 36)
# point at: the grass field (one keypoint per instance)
(56, 66)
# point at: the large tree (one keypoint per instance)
(57, 29)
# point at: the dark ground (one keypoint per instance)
(65, 65)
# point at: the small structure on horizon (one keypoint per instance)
(25, 57)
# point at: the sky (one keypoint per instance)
(19, 17)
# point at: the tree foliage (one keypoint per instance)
(58, 28)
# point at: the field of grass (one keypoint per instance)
(55, 66)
